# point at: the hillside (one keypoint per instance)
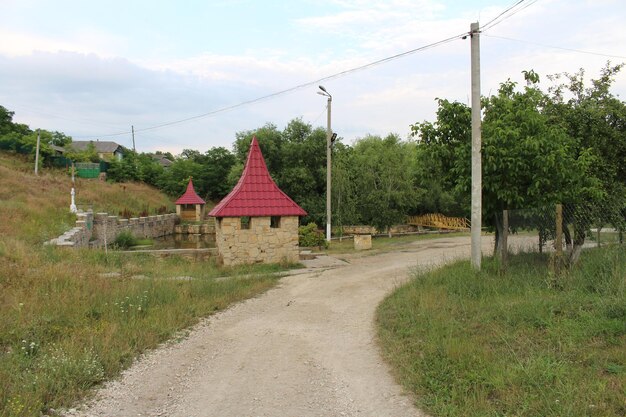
(36, 208)
(72, 318)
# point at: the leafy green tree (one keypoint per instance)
(270, 141)
(174, 181)
(345, 205)
(296, 160)
(596, 121)
(125, 170)
(442, 156)
(383, 179)
(89, 154)
(218, 163)
(148, 170)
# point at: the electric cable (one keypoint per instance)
(291, 89)
(557, 47)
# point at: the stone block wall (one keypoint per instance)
(371, 230)
(362, 242)
(195, 229)
(96, 229)
(77, 236)
(258, 243)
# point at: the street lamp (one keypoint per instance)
(329, 134)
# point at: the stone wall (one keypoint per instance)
(371, 230)
(258, 243)
(195, 229)
(77, 236)
(362, 242)
(95, 230)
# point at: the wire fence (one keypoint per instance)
(565, 231)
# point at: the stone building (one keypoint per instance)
(190, 206)
(256, 222)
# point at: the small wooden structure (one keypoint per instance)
(256, 221)
(190, 206)
(439, 221)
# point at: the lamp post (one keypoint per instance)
(329, 134)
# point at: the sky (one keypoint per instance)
(94, 69)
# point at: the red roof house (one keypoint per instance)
(256, 221)
(256, 193)
(189, 206)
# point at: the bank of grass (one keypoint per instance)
(487, 344)
(383, 243)
(73, 318)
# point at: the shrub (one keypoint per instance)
(125, 240)
(309, 236)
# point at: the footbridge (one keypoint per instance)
(439, 221)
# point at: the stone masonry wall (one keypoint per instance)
(259, 243)
(371, 230)
(91, 230)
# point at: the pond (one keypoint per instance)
(182, 241)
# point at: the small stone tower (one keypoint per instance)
(257, 222)
(190, 206)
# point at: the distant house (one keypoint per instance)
(57, 150)
(106, 150)
(162, 160)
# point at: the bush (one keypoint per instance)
(309, 236)
(125, 240)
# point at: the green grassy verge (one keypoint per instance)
(73, 319)
(382, 243)
(486, 344)
(70, 319)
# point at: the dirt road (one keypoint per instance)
(305, 348)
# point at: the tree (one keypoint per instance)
(596, 121)
(296, 160)
(442, 156)
(270, 141)
(217, 163)
(344, 187)
(174, 181)
(526, 157)
(383, 179)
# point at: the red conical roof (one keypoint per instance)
(256, 194)
(190, 196)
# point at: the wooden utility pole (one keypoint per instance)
(37, 153)
(476, 225)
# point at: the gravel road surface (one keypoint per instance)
(305, 348)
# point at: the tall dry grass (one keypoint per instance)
(72, 318)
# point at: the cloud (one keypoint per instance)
(86, 41)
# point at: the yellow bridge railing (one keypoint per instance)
(439, 221)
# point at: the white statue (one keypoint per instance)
(73, 204)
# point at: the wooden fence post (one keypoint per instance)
(505, 238)
(558, 239)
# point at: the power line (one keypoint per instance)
(493, 22)
(558, 47)
(291, 89)
(513, 9)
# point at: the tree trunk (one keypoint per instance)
(497, 247)
(579, 240)
(568, 235)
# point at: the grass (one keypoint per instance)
(74, 318)
(383, 243)
(487, 344)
